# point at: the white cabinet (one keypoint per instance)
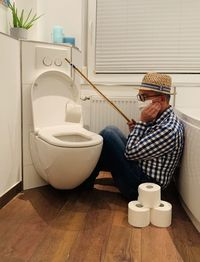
(10, 114)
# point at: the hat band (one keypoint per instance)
(156, 87)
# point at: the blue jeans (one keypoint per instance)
(127, 174)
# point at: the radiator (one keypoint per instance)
(103, 114)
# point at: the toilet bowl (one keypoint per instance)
(63, 153)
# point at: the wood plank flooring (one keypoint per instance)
(45, 224)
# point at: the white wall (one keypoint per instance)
(66, 13)
(10, 114)
(3, 19)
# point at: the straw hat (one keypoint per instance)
(157, 82)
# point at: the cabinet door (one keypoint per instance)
(10, 114)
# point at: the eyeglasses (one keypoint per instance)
(144, 97)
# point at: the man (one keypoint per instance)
(154, 146)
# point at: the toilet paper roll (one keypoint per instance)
(73, 113)
(138, 215)
(149, 194)
(161, 216)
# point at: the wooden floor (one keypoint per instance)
(45, 224)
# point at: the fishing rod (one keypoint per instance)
(106, 98)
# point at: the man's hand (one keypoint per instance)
(150, 112)
(131, 125)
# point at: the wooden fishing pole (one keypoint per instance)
(106, 98)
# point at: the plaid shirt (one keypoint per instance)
(157, 146)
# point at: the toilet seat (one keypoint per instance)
(72, 136)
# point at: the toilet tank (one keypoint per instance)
(50, 94)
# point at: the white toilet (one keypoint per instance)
(63, 153)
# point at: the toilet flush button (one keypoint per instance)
(47, 61)
(58, 62)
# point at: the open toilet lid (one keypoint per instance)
(50, 93)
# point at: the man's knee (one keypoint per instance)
(110, 128)
(113, 139)
(108, 131)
